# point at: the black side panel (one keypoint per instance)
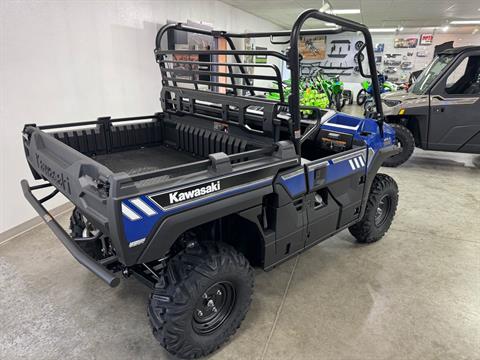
(472, 145)
(290, 229)
(323, 214)
(348, 193)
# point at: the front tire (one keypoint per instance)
(381, 207)
(405, 141)
(201, 300)
(338, 102)
(361, 97)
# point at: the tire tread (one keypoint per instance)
(365, 230)
(179, 284)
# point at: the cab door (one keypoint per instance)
(335, 192)
(455, 107)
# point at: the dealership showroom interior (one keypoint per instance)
(240, 179)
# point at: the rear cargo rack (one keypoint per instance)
(232, 87)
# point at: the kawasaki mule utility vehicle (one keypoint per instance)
(441, 110)
(189, 199)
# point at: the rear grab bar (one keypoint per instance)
(64, 238)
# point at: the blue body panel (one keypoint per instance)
(362, 129)
(140, 215)
(138, 225)
(294, 183)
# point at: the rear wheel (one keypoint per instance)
(381, 207)
(406, 143)
(201, 300)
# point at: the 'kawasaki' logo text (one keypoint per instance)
(177, 196)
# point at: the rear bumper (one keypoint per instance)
(97, 268)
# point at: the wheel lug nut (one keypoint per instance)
(205, 296)
(210, 303)
(219, 293)
(214, 309)
(199, 313)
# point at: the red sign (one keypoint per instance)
(426, 39)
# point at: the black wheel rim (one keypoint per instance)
(383, 210)
(214, 307)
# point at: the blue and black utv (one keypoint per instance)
(189, 199)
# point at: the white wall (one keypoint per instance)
(65, 61)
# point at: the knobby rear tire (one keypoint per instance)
(184, 283)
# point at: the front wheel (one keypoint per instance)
(339, 102)
(406, 143)
(381, 207)
(201, 299)
(361, 97)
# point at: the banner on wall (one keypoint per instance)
(313, 47)
(401, 43)
(426, 39)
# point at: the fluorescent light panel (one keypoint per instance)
(345, 11)
(383, 29)
(465, 22)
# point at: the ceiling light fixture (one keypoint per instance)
(400, 28)
(378, 30)
(445, 28)
(326, 7)
(465, 22)
(345, 11)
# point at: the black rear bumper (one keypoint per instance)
(67, 240)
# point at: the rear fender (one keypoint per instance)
(171, 227)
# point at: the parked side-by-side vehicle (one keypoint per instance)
(441, 110)
(189, 199)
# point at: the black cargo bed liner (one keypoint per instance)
(145, 159)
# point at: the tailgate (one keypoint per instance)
(82, 180)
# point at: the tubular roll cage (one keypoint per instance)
(292, 58)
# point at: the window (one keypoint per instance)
(465, 78)
(428, 75)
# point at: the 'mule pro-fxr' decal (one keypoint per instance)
(141, 214)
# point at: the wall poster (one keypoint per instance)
(313, 47)
(407, 43)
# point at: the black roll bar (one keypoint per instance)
(294, 60)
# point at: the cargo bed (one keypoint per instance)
(143, 160)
